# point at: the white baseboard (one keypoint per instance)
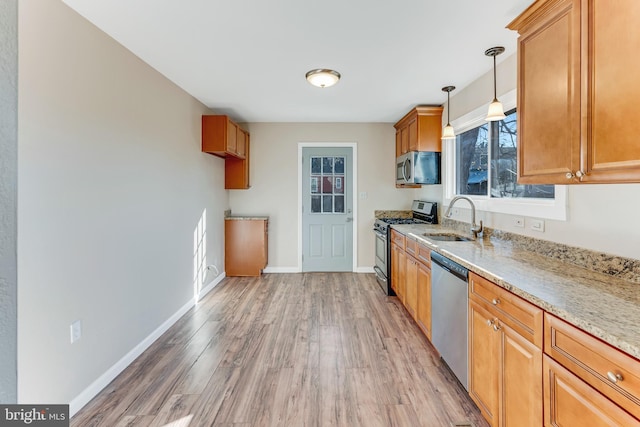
(90, 392)
(297, 270)
(281, 270)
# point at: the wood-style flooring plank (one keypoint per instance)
(304, 349)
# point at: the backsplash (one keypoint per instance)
(623, 268)
(393, 214)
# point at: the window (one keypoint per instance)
(487, 165)
(327, 184)
(481, 163)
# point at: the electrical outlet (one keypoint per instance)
(519, 222)
(537, 225)
(76, 331)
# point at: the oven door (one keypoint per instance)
(381, 260)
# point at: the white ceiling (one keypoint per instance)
(248, 58)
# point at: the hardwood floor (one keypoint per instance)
(313, 349)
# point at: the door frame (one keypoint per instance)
(354, 180)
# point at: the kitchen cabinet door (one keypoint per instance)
(570, 402)
(246, 246)
(411, 286)
(549, 95)
(611, 66)
(484, 362)
(423, 316)
(521, 382)
(398, 267)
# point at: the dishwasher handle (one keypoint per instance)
(450, 266)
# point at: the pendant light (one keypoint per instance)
(447, 132)
(322, 77)
(496, 112)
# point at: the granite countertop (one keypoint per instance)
(246, 217)
(606, 306)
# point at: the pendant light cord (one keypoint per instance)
(495, 90)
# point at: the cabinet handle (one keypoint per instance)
(569, 175)
(495, 301)
(614, 378)
(489, 322)
(496, 327)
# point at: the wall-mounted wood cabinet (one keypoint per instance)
(419, 130)
(578, 119)
(224, 138)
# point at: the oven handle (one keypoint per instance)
(379, 274)
(379, 234)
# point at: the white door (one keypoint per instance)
(327, 209)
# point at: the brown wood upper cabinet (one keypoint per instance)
(577, 92)
(419, 130)
(224, 138)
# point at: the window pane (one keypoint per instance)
(327, 165)
(339, 204)
(504, 172)
(338, 184)
(315, 204)
(316, 165)
(327, 204)
(472, 158)
(327, 184)
(315, 184)
(339, 165)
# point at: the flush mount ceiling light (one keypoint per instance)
(323, 77)
(496, 112)
(447, 132)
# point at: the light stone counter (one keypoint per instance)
(606, 306)
(248, 217)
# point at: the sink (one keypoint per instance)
(447, 237)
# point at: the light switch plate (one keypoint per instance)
(537, 225)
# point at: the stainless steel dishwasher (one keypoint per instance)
(449, 312)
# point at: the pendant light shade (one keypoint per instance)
(496, 112)
(323, 77)
(448, 132)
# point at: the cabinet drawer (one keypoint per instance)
(424, 255)
(520, 315)
(595, 362)
(410, 246)
(397, 238)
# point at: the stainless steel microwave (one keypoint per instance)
(418, 167)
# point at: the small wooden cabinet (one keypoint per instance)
(423, 315)
(419, 130)
(505, 355)
(246, 246)
(224, 138)
(577, 92)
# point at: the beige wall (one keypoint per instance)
(274, 181)
(601, 217)
(111, 185)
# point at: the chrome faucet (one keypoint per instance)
(475, 229)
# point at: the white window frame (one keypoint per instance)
(538, 208)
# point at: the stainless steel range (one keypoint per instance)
(423, 213)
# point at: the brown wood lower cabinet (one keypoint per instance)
(570, 402)
(504, 366)
(423, 315)
(246, 246)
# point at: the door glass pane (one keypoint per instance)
(315, 184)
(316, 164)
(327, 165)
(327, 204)
(327, 185)
(315, 204)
